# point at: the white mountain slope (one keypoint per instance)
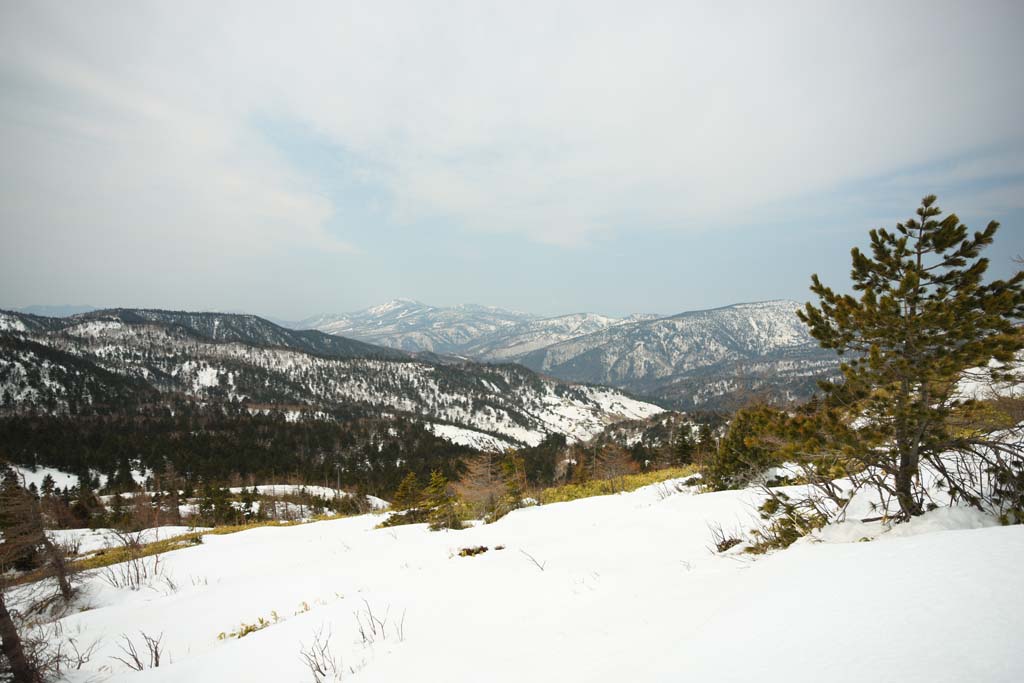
(413, 326)
(697, 359)
(536, 334)
(478, 332)
(693, 357)
(90, 359)
(608, 589)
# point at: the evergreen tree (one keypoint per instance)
(87, 507)
(408, 494)
(122, 479)
(118, 513)
(923, 315)
(48, 485)
(444, 510)
(705, 441)
(741, 455)
(23, 537)
(683, 446)
(248, 498)
(513, 472)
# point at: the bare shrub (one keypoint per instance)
(721, 539)
(136, 571)
(371, 628)
(136, 660)
(319, 659)
(52, 654)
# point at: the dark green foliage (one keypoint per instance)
(1008, 492)
(408, 494)
(215, 507)
(683, 447)
(706, 444)
(539, 462)
(921, 317)
(442, 504)
(48, 485)
(403, 517)
(742, 454)
(786, 520)
(23, 539)
(514, 475)
(187, 445)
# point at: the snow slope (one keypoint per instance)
(468, 437)
(413, 326)
(90, 540)
(628, 591)
(695, 358)
(124, 361)
(64, 480)
(478, 332)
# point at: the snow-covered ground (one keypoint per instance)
(469, 437)
(615, 588)
(299, 489)
(63, 480)
(90, 540)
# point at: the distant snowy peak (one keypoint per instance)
(414, 326)
(469, 330)
(759, 327)
(696, 359)
(399, 307)
(528, 336)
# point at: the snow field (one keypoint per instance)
(628, 591)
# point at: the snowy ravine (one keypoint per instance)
(620, 588)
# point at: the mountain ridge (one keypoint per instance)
(711, 358)
(122, 357)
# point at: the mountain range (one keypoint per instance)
(714, 359)
(478, 332)
(708, 359)
(117, 359)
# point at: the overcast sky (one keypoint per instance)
(291, 158)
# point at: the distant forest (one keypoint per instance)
(188, 444)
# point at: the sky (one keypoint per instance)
(290, 159)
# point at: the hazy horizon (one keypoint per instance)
(64, 310)
(546, 158)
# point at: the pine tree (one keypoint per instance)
(48, 485)
(22, 539)
(706, 445)
(408, 494)
(741, 457)
(922, 317)
(513, 472)
(683, 446)
(444, 512)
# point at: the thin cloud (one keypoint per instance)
(128, 127)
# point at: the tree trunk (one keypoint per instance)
(21, 668)
(59, 566)
(909, 506)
